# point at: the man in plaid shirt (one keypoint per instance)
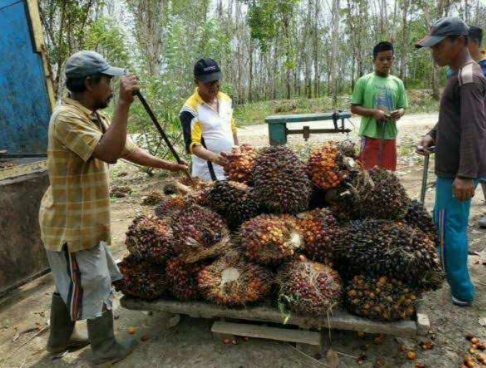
(75, 211)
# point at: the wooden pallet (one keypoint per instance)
(340, 320)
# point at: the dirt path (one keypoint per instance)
(190, 343)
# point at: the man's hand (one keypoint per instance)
(463, 189)
(426, 142)
(397, 114)
(177, 167)
(379, 115)
(220, 160)
(128, 87)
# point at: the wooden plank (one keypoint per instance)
(40, 47)
(36, 25)
(265, 332)
(340, 319)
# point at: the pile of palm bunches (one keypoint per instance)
(234, 282)
(379, 298)
(196, 227)
(232, 200)
(319, 229)
(182, 280)
(380, 247)
(270, 239)
(326, 167)
(309, 288)
(153, 198)
(150, 238)
(170, 205)
(141, 279)
(418, 217)
(231, 243)
(241, 162)
(280, 182)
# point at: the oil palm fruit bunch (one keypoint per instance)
(326, 166)
(389, 248)
(309, 288)
(319, 228)
(234, 201)
(376, 193)
(234, 282)
(150, 238)
(280, 182)
(241, 164)
(170, 205)
(418, 217)
(347, 148)
(141, 279)
(379, 298)
(196, 227)
(387, 199)
(270, 239)
(182, 279)
(153, 198)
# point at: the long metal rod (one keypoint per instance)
(424, 177)
(425, 173)
(161, 131)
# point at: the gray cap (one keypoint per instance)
(448, 26)
(84, 63)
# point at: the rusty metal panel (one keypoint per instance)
(25, 106)
(22, 254)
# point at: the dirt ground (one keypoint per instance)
(24, 313)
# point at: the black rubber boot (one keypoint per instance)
(62, 336)
(106, 350)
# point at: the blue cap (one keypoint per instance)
(85, 63)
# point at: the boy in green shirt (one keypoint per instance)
(381, 100)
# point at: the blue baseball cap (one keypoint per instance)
(85, 63)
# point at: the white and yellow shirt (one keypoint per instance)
(212, 129)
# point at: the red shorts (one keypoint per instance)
(378, 152)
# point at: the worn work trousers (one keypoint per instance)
(451, 217)
(378, 152)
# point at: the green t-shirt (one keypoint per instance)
(374, 92)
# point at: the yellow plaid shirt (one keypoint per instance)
(75, 209)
